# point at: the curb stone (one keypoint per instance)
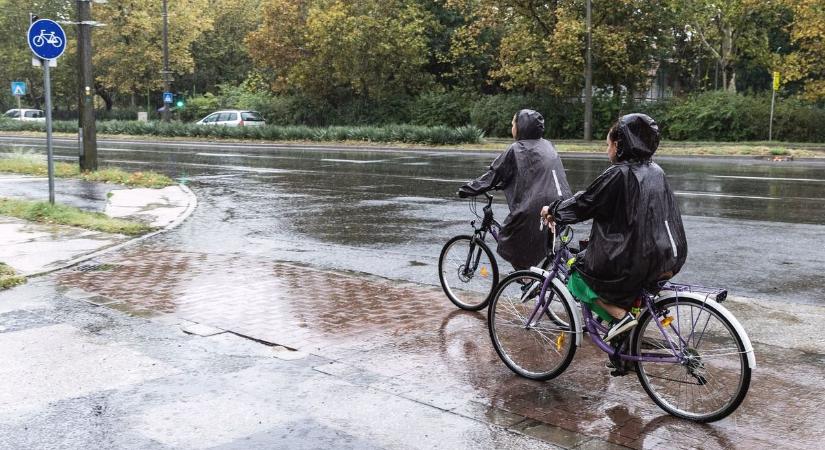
(190, 208)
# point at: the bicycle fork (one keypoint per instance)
(542, 305)
(471, 264)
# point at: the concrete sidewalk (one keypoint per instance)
(33, 248)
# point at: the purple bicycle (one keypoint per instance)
(467, 268)
(691, 355)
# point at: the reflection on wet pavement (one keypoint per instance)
(409, 341)
(274, 248)
(285, 304)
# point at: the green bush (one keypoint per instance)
(199, 106)
(441, 108)
(494, 113)
(797, 122)
(717, 116)
(563, 118)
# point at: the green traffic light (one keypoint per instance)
(180, 103)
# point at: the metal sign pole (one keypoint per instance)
(776, 82)
(770, 126)
(47, 41)
(47, 82)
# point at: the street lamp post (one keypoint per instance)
(87, 130)
(166, 84)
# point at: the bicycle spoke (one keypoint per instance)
(539, 350)
(707, 383)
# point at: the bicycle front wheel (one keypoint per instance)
(714, 375)
(468, 272)
(541, 349)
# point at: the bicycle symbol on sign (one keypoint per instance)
(47, 38)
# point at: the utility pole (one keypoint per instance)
(166, 84)
(86, 106)
(588, 82)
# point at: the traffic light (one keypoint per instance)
(180, 101)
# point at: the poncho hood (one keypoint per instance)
(638, 137)
(529, 125)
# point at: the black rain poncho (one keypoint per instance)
(531, 174)
(637, 236)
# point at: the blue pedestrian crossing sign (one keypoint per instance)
(47, 39)
(18, 88)
(168, 97)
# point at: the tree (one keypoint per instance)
(541, 44)
(805, 63)
(728, 30)
(128, 56)
(336, 49)
(221, 54)
(278, 43)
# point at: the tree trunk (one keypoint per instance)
(105, 96)
(724, 75)
(732, 86)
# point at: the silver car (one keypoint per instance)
(26, 114)
(233, 118)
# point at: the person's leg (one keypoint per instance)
(623, 320)
(616, 311)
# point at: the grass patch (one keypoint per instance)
(30, 165)
(8, 277)
(44, 212)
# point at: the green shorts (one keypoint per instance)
(585, 294)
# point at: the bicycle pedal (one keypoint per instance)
(618, 373)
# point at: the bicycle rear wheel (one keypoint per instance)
(541, 350)
(714, 377)
(468, 286)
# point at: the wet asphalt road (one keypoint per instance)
(380, 363)
(753, 226)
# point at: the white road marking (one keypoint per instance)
(354, 161)
(706, 194)
(740, 177)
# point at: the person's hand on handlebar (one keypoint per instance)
(547, 218)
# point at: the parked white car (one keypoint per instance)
(233, 118)
(26, 114)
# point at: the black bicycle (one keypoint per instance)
(467, 268)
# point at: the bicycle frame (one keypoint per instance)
(488, 225)
(596, 329)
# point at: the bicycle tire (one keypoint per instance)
(701, 374)
(525, 350)
(458, 288)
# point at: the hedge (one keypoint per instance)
(455, 117)
(438, 135)
(711, 116)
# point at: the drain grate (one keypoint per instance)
(94, 267)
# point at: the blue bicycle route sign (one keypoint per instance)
(47, 39)
(18, 88)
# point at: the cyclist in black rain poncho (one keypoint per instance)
(637, 236)
(531, 174)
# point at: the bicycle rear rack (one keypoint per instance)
(717, 294)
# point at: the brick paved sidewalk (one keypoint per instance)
(410, 341)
